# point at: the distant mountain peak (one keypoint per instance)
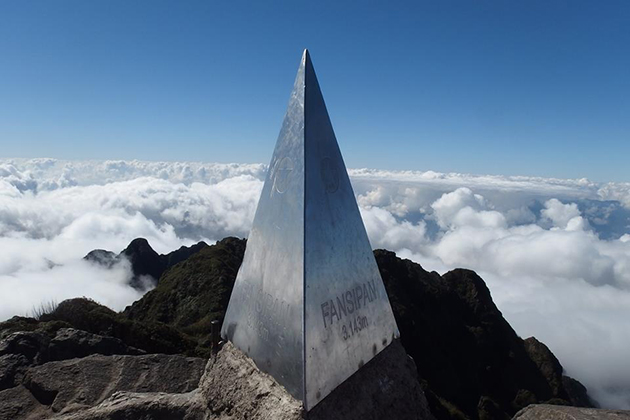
(147, 265)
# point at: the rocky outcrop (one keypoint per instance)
(386, 387)
(152, 337)
(71, 343)
(562, 386)
(12, 369)
(19, 403)
(77, 384)
(37, 347)
(547, 364)
(232, 387)
(32, 345)
(149, 406)
(472, 363)
(555, 412)
(90, 380)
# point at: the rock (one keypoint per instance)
(149, 406)
(234, 387)
(71, 343)
(555, 412)
(153, 337)
(30, 344)
(386, 387)
(547, 364)
(488, 409)
(566, 390)
(16, 324)
(576, 393)
(18, 403)
(12, 368)
(78, 383)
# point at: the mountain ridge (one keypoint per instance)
(147, 266)
(471, 364)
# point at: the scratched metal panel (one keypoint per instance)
(348, 317)
(265, 314)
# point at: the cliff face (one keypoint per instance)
(470, 363)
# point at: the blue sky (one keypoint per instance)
(499, 87)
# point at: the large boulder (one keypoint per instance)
(71, 343)
(30, 344)
(12, 369)
(233, 388)
(555, 412)
(386, 387)
(18, 403)
(146, 406)
(77, 384)
(153, 337)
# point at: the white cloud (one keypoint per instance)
(555, 253)
(389, 233)
(564, 216)
(551, 275)
(52, 213)
(585, 326)
(25, 289)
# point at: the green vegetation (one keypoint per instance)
(154, 337)
(193, 293)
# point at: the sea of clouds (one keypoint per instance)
(555, 253)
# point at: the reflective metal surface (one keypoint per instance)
(265, 316)
(309, 306)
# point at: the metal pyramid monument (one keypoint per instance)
(309, 305)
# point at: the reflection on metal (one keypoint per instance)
(308, 306)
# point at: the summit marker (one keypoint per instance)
(309, 305)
